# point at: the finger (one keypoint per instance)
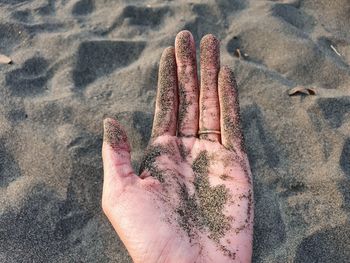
(118, 172)
(209, 101)
(165, 117)
(185, 51)
(231, 133)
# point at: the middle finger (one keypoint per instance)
(188, 84)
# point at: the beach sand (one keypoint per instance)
(78, 61)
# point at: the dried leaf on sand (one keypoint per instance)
(5, 59)
(301, 90)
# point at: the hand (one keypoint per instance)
(193, 199)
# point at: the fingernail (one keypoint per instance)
(210, 51)
(184, 44)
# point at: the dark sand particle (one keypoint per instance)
(225, 177)
(250, 205)
(184, 102)
(205, 208)
(210, 52)
(227, 252)
(114, 134)
(184, 152)
(149, 162)
(187, 212)
(184, 47)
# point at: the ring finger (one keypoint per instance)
(209, 120)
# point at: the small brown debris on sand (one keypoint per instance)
(301, 90)
(225, 177)
(227, 252)
(238, 53)
(5, 59)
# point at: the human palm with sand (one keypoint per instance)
(192, 201)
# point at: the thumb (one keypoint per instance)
(118, 172)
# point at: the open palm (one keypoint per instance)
(192, 201)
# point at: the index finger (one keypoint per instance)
(165, 117)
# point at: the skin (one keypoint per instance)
(192, 200)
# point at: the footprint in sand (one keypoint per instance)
(294, 16)
(30, 79)
(100, 58)
(83, 7)
(327, 246)
(335, 110)
(11, 36)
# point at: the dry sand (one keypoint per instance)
(75, 62)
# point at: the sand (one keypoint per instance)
(76, 62)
